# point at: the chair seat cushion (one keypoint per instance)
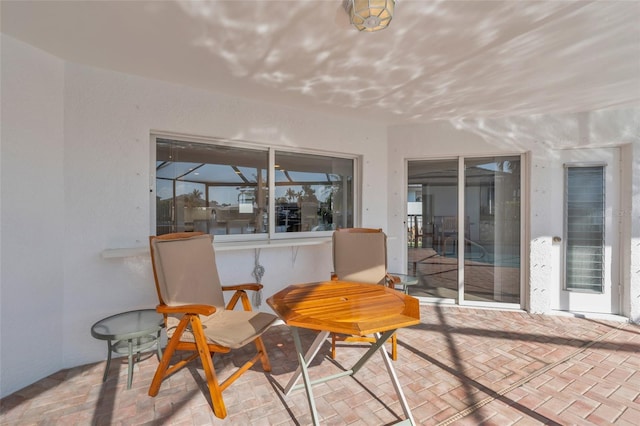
(232, 329)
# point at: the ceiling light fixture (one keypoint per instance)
(370, 15)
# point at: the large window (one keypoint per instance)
(226, 189)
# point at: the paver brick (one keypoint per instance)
(459, 366)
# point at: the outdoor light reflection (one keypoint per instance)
(439, 60)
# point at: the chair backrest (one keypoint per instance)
(184, 267)
(449, 223)
(360, 255)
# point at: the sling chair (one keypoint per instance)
(360, 255)
(196, 318)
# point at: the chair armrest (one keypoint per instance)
(186, 309)
(250, 286)
(392, 280)
(241, 294)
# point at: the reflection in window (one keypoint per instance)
(219, 190)
(312, 192)
(224, 190)
(492, 229)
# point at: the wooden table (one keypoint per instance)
(348, 308)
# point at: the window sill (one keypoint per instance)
(225, 246)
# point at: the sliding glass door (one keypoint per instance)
(433, 211)
(492, 229)
(464, 229)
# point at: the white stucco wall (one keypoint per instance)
(77, 166)
(544, 139)
(75, 176)
(32, 218)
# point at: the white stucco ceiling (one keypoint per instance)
(437, 60)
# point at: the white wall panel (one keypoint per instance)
(32, 217)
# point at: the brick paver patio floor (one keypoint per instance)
(460, 366)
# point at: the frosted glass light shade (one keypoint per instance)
(371, 15)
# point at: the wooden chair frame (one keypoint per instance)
(201, 348)
(389, 280)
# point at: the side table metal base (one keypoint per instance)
(130, 348)
(129, 333)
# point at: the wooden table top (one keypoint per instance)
(345, 307)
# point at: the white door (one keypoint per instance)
(588, 249)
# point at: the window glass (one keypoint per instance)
(584, 218)
(224, 190)
(312, 192)
(215, 189)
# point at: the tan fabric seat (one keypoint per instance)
(233, 329)
(197, 320)
(360, 255)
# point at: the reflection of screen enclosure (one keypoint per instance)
(223, 190)
(312, 192)
(210, 188)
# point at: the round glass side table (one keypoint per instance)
(405, 281)
(129, 333)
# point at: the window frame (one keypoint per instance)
(271, 149)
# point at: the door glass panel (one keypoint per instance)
(432, 211)
(491, 238)
(584, 216)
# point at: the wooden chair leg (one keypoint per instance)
(264, 358)
(394, 347)
(161, 371)
(394, 344)
(333, 345)
(219, 409)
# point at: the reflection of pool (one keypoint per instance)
(477, 253)
(508, 261)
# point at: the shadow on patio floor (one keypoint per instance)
(459, 366)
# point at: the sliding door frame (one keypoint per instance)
(524, 229)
